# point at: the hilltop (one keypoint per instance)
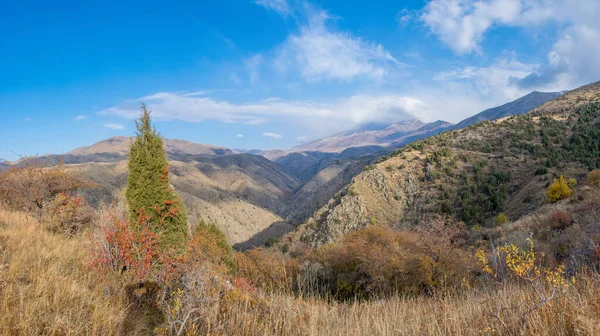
(473, 174)
(377, 139)
(372, 135)
(516, 107)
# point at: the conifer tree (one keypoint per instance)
(148, 186)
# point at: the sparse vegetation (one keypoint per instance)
(48, 193)
(85, 303)
(572, 183)
(522, 265)
(376, 262)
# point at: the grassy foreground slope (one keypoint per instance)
(47, 289)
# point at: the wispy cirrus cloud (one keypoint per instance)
(320, 117)
(115, 126)
(280, 6)
(253, 67)
(272, 135)
(317, 52)
(321, 53)
(494, 80)
(239, 136)
(79, 118)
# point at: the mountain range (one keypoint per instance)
(516, 107)
(254, 195)
(471, 174)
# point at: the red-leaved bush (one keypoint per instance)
(120, 245)
(186, 282)
(132, 247)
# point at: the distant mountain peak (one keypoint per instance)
(373, 135)
(516, 107)
(367, 127)
(120, 145)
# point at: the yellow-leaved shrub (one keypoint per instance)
(559, 189)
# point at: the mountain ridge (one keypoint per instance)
(515, 107)
(471, 174)
(249, 196)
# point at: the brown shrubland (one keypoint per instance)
(46, 288)
(29, 185)
(109, 276)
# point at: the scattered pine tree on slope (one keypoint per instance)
(148, 186)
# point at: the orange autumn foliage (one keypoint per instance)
(132, 247)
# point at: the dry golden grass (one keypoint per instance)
(574, 313)
(47, 289)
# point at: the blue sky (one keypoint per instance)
(275, 73)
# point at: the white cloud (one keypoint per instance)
(462, 23)
(405, 16)
(79, 118)
(199, 93)
(114, 126)
(323, 117)
(494, 81)
(460, 93)
(280, 6)
(578, 50)
(301, 139)
(571, 62)
(319, 53)
(272, 135)
(239, 135)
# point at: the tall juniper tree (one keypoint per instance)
(148, 186)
